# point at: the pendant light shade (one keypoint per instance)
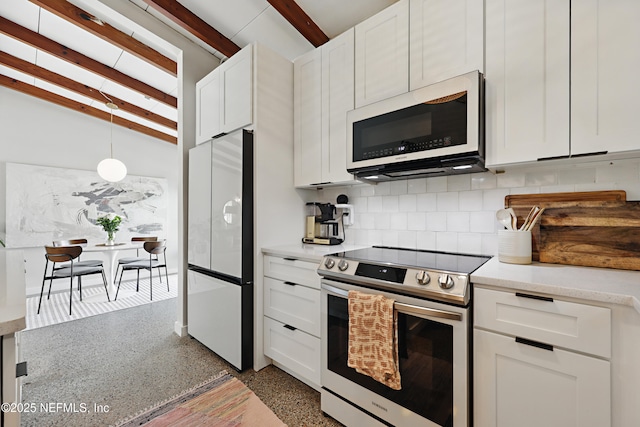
(110, 169)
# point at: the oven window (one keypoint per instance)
(417, 128)
(425, 349)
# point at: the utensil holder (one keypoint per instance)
(514, 246)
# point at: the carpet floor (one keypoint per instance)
(101, 369)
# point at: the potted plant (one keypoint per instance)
(110, 225)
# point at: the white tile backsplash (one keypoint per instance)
(457, 213)
(390, 204)
(447, 202)
(407, 203)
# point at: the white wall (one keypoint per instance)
(457, 213)
(37, 132)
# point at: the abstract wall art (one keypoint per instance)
(46, 203)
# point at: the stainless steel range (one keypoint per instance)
(432, 299)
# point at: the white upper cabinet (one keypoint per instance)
(323, 93)
(208, 107)
(446, 40)
(382, 55)
(237, 90)
(223, 97)
(527, 80)
(307, 110)
(337, 99)
(605, 88)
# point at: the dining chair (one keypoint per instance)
(128, 260)
(68, 254)
(154, 249)
(78, 262)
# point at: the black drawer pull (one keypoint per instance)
(538, 297)
(290, 283)
(291, 328)
(290, 259)
(534, 343)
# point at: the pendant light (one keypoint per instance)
(110, 169)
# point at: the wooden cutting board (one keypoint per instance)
(522, 204)
(597, 237)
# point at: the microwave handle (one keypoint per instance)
(402, 307)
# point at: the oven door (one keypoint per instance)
(433, 349)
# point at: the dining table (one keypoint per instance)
(110, 267)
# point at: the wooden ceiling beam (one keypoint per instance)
(82, 108)
(186, 19)
(82, 89)
(58, 50)
(97, 27)
(302, 22)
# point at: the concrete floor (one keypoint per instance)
(108, 367)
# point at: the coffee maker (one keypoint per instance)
(321, 226)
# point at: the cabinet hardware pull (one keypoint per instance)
(290, 259)
(290, 283)
(218, 135)
(534, 343)
(538, 297)
(291, 328)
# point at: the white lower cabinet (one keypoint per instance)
(531, 364)
(292, 316)
(296, 350)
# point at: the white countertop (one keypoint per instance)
(13, 308)
(587, 283)
(308, 252)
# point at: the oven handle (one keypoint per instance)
(404, 308)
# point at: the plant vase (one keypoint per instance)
(110, 225)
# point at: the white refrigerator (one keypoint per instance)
(220, 249)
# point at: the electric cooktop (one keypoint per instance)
(442, 276)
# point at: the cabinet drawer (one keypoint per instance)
(520, 385)
(295, 305)
(294, 349)
(292, 270)
(574, 326)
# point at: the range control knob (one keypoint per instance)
(445, 281)
(343, 265)
(422, 277)
(329, 263)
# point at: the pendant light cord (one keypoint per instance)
(111, 106)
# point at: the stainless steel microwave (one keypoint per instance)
(431, 131)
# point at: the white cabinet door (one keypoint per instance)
(293, 304)
(382, 55)
(527, 80)
(337, 99)
(520, 385)
(208, 107)
(236, 77)
(199, 245)
(605, 88)
(293, 348)
(307, 110)
(446, 39)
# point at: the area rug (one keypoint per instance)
(56, 309)
(222, 401)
